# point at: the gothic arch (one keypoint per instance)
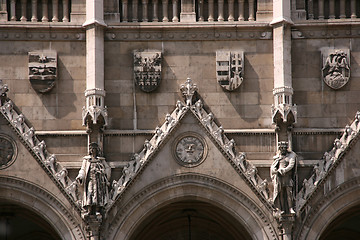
(125, 217)
(331, 206)
(46, 205)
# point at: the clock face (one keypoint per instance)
(7, 151)
(190, 150)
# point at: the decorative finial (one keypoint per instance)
(188, 90)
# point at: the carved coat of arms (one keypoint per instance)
(147, 70)
(336, 67)
(229, 69)
(43, 70)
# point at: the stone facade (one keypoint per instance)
(189, 152)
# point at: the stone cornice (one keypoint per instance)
(42, 34)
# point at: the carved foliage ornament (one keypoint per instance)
(336, 67)
(229, 69)
(43, 70)
(147, 69)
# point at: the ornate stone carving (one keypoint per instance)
(282, 172)
(43, 70)
(251, 174)
(198, 108)
(208, 122)
(159, 134)
(188, 90)
(229, 148)
(19, 123)
(169, 122)
(263, 188)
(40, 150)
(72, 190)
(219, 135)
(180, 109)
(190, 149)
(147, 150)
(336, 67)
(7, 109)
(321, 170)
(3, 92)
(95, 110)
(29, 136)
(147, 69)
(283, 108)
(229, 69)
(51, 163)
(61, 176)
(94, 175)
(240, 160)
(8, 151)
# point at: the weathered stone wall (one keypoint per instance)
(247, 107)
(60, 109)
(320, 106)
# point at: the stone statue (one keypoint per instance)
(94, 175)
(282, 172)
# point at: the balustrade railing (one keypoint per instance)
(170, 10)
(332, 9)
(39, 10)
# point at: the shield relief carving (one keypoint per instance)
(336, 67)
(147, 69)
(43, 70)
(229, 69)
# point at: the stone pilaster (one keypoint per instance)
(283, 111)
(95, 112)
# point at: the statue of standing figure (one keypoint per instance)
(94, 175)
(282, 172)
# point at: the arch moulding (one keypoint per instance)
(332, 205)
(126, 216)
(42, 202)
